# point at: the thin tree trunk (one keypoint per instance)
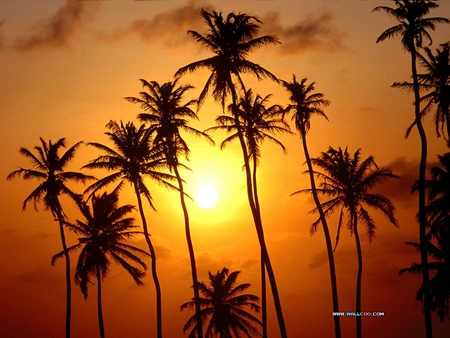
(99, 304)
(359, 276)
(191, 254)
(153, 257)
(258, 223)
(422, 215)
(263, 267)
(326, 231)
(68, 279)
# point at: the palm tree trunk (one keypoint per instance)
(359, 276)
(422, 215)
(153, 257)
(68, 279)
(258, 223)
(99, 304)
(191, 254)
(263, 267)
(326, 231)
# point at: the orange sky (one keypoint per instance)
(67, 66)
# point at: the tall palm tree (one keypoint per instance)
(134, 159)
(413, 28)
(231, 39)
(166, 117)
(440, 266)
(304, 103)
(49, 167)
(224, 307)
(257, 123)
(103, 238)
(348, 181)
(437, 80)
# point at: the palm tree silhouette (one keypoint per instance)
(49, 167)
(438, 187)
(413, 28)
(305, 103)
(348, 180)
(134, 159)
(166, 117)
(257, 122)
(104, 233)
(230, 40)
(440, 266)
(437, 80)
(224, 307)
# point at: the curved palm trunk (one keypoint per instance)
(153, 257)
(359, 276)
(422, 215)
(258, 223)
(263, 267)
(99, 304)
(191, 254)
(68, 280)
(326, 231)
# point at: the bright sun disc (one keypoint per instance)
(206, 198)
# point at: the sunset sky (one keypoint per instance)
(66, 67)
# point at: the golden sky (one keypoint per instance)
(66, 66)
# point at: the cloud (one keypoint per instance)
(44, 275)
(59, 29)
(316, 32)
(169, 26)
(2, 41)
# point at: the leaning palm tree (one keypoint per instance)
(257, 123)
(413, 28)
(231, 39)
(134, 159)
(103, 239)
(304, 103)
(224, 308)
(440, 266)
(348, 180)
(49, 168)
(166, 117)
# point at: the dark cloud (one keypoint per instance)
(170, 27)
(59, 29)
(315, 32)
(399, 190)
(44, 275)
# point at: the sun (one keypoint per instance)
(206, 198)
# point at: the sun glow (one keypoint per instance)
(206, 198)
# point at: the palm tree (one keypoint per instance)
(305, 103)
(437, 80)
(104, 233)
(49, 168)
(166, 117)
(224, 307)
(438, 187)
(412, 28)
(440, 266)
(230, 40)
(348, 180)
(133, 160)
(257, 122)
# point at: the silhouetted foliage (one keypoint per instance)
(104, 233)
(224, 308)
(348, 180)
(49, 167)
